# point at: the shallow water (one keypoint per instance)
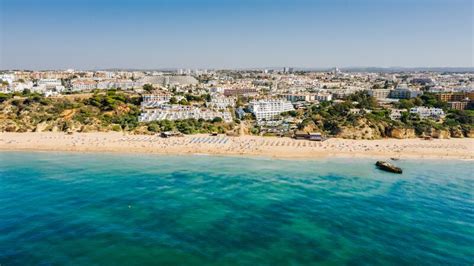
(83, 209)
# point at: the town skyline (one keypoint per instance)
(368, 69)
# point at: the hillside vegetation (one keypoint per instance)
(102, 111)
(116, 110)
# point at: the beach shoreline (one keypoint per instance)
(253, 146)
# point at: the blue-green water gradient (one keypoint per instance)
(106, 209)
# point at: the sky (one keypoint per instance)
(146, 34)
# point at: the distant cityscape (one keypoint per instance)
(267, 95)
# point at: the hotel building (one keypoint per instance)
(265, 110)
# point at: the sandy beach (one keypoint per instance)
(246, 145)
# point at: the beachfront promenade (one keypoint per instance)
(245, 145)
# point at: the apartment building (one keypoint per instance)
(380, 93)
(180, 112)
(306, 97)
(458, 105)
(49, 83)
(404, 93)
(269, 109)
(398, 93)
(83, 85)
(323, 97)
(428, 112)
(155, 100)
(454, 96)
(221, 102)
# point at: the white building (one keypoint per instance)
(323, 97)
(398, 93)
(8, 78)
(403, 92)
(181, 112)
(396, 114)
(83, 85)
(298, 97)
(379, 93)
(20, 86)
(49, 83)
(221, 102)
(428, 112)
(155, 100)
(265, 110)
(124, 84)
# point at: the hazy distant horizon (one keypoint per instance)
(235, 34)
(349, 69)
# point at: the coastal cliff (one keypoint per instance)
(119, 111)
(402, 133)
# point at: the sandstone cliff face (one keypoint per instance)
(40, 127)
(354, 133)
(27, 125)
(402, 133)
(363, 131)
(441, 134)
(457, 133)
(8, 125)
(311, 127)
(470, 133)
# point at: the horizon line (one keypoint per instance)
(241, 68)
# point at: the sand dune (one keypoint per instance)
(246, 145)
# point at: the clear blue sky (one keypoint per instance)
(88, 34)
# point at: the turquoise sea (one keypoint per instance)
(108, 209)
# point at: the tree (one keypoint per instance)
(405, 104)
(405, 117)
(154, 127)
(148, 87)
(430, 100)
(26, 92)
(364, 100)
(289, 113)
(4, 97)
(376, 87)
(217, 120)
(462, 117)
(340, 109)
(184, 102)
(173, 100)
(167, 125)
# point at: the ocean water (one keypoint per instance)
(107, 209)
